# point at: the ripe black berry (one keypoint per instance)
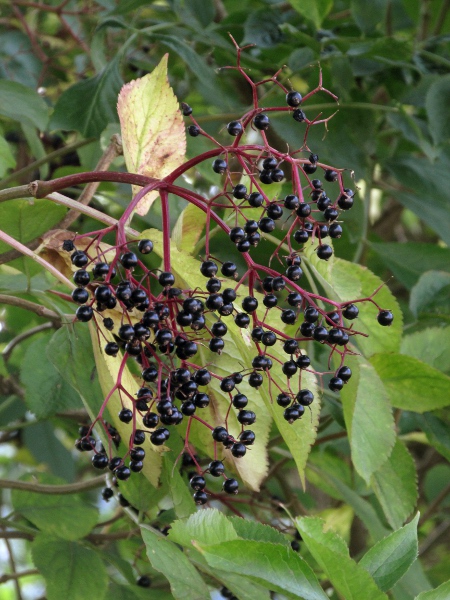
(256, 199)
(289, 368)
(186, 109)
(230, 486)
(257, 333)
(331, 175)
(294, 299)
(238, 450)
(324, 252)
(123, 473)
(269, 163)
(111, 349)
(220, 434)
(240, 401)
(270, 300)
(320, 334)
(145, 581)
(283, 400)
(197, 482)
(200, 497)
(229, 268)
(242, 320)
(80, 295)
(81, 277)
(344, 373)
(265, 177)
(100, 461)
(203, 376)
(145, 246)
(274, 211)
(266, 225)
(277, 175)
(216, 468)
(335, 230)
(293, 98)
(239, 191)
(336, 384)
(303, 361)
(288, 316)
(310, 168)
(208, 268)
(159, 436)
(385, 318)
(305, 397)
(291, 202)
(335, 335)
(268, 338)
(261, 122)
(249, 304)
(79, 258)
(247, 417)
(303, 211)
(216, 344)
(150, 420)
(290, 346)
(84, 313)
(219, 166)
(345, 202)
(107, 493)
(243, 245)
(234, 128)
(350, 312)
(293, 412)
(301, 236)
(166, 279)
(254, 380)
(294, 273)
(129, 260)
(193, 130)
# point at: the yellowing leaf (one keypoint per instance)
(152, 128)
(108, 372)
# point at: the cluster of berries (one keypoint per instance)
(162, 326)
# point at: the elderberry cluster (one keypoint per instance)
(161, 326)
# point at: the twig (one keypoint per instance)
(114, 149)
(40, 488)
(441, 17)
(331, 437)
(12, 564)
(8, 576)
(435, 504)
(24, 336)
(39, 310)
(45, 159)
(433, 537)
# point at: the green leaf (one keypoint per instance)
(331, 553)
(26, 219)
(188, 228)
(252, 530)
(436, 432)
(46, 391)
(65, 516)
(391, 557)
(315, 10)
(431, 294)
(363, 509)
(411, 384)
(437, 102)
(20, 103)
(431, 345)
(36, 147)
(410, 260)
(368, 417)
(53, 454)
(165, 557)
(395, 485)
(70, 570)
(276, 567)
(206, 527)
(152, 129)
(88, 106)
(425, 180)
(344, 282)
(181, 495)
(262, 28)
(440, 593)
(7, 160)
(368, 16)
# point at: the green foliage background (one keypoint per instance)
(383, 449)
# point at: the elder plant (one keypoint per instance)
(198, 349)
